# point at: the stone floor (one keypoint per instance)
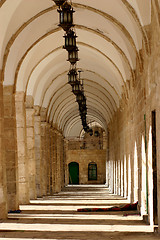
(56, 217)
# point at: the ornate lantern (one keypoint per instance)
(76, 88)
(72, 77)
(82, 104)
(80, 97)
(73, 56)
(66, 16)
(59, 2)
(70, 41)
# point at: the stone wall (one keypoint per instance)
(3, 182)
(130, 131)
(10, 145)
(83, 158)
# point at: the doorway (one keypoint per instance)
(73, 173)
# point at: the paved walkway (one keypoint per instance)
(56, 217)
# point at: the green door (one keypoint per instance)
(73, 173)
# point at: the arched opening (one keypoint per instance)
(73, 173)
(92, 171)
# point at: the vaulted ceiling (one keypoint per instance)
(110, 37)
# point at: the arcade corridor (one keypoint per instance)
(79, 104)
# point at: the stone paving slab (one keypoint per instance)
(57, 218)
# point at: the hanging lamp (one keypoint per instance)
(72, 77)
(70, 41)
(73, 56)
(66, 16)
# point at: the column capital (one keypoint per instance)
(37, 110)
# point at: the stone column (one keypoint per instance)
(3, 183)
(119, 177)
(111, 176)
(143, 179)
(44, 158)
(38, 154)
(65, 162)
(62, 166)
(48, 157)
(51, 161)
(125, 177)
(129, 178)
(31, 147)
(122, 177)
(54, 160)
(135, 174)
(114, 170)
(23, 178)
(10, 144)
(58, 164)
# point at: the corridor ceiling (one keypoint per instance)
(110, 36)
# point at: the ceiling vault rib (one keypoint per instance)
(144, 34)
(70, 103)
(113, 43)
(15, 35)
(116, 23)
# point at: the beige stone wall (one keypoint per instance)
(131, 125)
(38, 154)
(84, 157)
(23, 176)
(44, 158)
(30, 134)
(10, 145)
(3, 182)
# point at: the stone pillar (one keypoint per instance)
(54, 160)
(150, 171)
(48, 157)
(51, 161)
(119, 177)
(62, 163)
(117, 180)
(125, 177)
(122, 177)
(129, 178)
(3, 183)
(114, 170)
(44, 158)
(111, 176)
(65, 161)
(21, 149)
(143, 179)
(31, 148)
(38, 154)
(10, 144)
(58, 164)
(135, 174)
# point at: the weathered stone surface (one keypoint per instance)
(31, 152)
(10, 144)
(21, 149)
